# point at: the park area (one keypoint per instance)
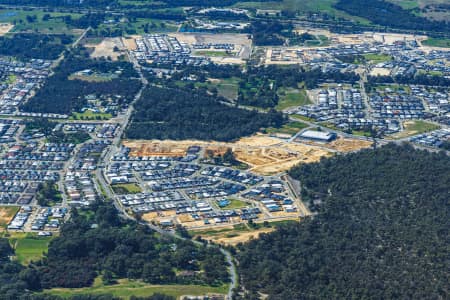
(125, 288)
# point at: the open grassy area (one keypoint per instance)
(28, 246)
(290, 128)
(54, 24)
(437, 42)
(377, 58)
(303, 7)
(212, 53)
(292, 98)
(126, 288)
(235, 204)
(90, 115)
(126, 188)
(7, 213)
(414, 127)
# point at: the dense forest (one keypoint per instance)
(381, 232)
(388, 14)
(63, 95)
(100, 244)
(34, 45)
(169, 113)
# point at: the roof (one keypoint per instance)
(320, 135)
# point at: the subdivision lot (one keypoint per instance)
(7, 213)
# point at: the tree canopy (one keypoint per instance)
(381, 232)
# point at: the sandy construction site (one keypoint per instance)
(106, 48)
(264, 154)
(5, 28)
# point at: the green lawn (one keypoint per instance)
(126, 188)
(290, 128)
(292, 98)
(54, 24)
(302, 7)
(414, 127)
(437, 42)
(377, 58)
(126, 288)
(235, 204)
(29, 247)
(212, 53)
(90, 115)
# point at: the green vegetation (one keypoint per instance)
(48, 194)
(214, 53)
(37, 21)
(420, 126)
(437, 42)
(90, 115)
(415, 127)
(235, 204)
(30, 248)
(355, 247)
(126, 188)
(34, 45)
(164, 113)
(126, 288)
(377, 58)
(290, 128)
(71, 94)
(291, 98)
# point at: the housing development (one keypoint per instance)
(201, 124)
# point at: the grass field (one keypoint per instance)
(235, 204)
(290, 128)
(436, 42)
(90, 115)
(126, 188)
(54, 24)
(377, 58)
(6, 215)
(292, 98)
(28, 246)
(126, 288)
(303, 7)
(414, 127)
(213, 53)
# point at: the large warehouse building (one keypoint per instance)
(321, 136)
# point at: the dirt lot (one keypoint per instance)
(106, 48)
(344, 144)
(5, 28)
(232, 237)
(130, 43)
(264, 154)
(7, 213)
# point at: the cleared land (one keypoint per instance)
(414, 127)
(240, 233)
(264, 154)
(106, 48)
(5, 28)
(7, 213)
(126, 288)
